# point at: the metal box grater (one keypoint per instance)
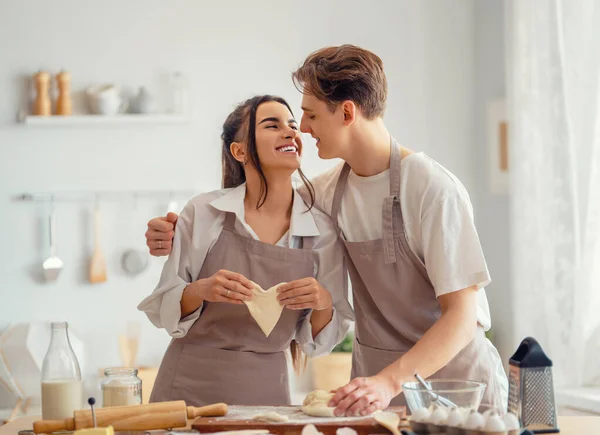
(531, 388)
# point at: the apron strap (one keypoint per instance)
(392, 213)
(337, 197)
(308, 243)
(229, 223)
(395, 160)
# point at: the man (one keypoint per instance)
(417, 268)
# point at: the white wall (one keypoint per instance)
(229, 50)
(491, 210)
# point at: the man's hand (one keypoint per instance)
(159, 236)
(363, 396)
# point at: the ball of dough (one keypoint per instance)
(316, 404)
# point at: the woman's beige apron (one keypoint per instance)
(225, 357)
(395, 303)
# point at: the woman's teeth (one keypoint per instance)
(287, 149)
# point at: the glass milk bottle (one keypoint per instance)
(61, 377)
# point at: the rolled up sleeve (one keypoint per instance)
(332, 274)
(163, 306)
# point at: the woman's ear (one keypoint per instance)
(239, 152)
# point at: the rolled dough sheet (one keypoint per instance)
(265, 308)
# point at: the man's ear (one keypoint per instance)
(349, 112)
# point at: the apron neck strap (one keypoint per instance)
(395, 159)
(337, 196)
(392, 213)
(229, 221)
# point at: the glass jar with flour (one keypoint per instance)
(121, 387)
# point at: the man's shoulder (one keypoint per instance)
(425, 176)
(327, 180)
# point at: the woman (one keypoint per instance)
(255, 229)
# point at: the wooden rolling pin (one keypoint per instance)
(160, 415)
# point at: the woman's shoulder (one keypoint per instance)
(200, 205)
(205, 198)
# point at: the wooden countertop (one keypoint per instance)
(569, 425)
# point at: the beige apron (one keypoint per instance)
(394, 300)
(225, 357)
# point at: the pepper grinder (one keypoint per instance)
(41, 106)
(64, 105)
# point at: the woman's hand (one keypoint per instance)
(305, 293)
(224, 286)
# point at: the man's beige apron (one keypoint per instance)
(225, 357)
(395, 303)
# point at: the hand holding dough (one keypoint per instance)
(316, 404)
(265, 308)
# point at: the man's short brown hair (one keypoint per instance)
(347, 72)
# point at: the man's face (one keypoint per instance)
(325, 126)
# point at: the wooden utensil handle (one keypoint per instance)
(49, 426)
(214, 410)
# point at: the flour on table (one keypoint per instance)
(293, 413)
(271, 417)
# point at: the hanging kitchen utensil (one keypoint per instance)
(134, 261)
(97, 265)
(52, 265)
